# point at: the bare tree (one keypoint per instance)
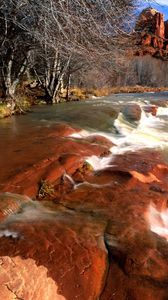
(57, 32)
(14, 47)
(92, 31)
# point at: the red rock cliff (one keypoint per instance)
(152, 33)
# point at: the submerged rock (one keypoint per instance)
(151, 109)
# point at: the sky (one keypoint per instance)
(160, 5)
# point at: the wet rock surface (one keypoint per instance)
(88, 235)
(132, 112)
(60, 154)
(151, 109)
(57, 255)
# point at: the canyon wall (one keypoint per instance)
(148, 58)
(152, 34)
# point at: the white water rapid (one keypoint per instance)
(150, 132)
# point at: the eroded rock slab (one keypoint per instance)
(57, 249)
(52, 256)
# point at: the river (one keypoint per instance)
(85, 190)
(94, 116)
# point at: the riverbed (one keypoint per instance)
(84, 196)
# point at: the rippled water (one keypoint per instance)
(96, 115)
(21, 136)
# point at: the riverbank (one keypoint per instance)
(8, 110)
(89, 93)
(33, 96)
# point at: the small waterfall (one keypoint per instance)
(84, 183)
(99, 163)
(158, 221)
(149, 133)
(69, 178)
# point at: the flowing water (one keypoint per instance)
(20, 135)
(126, 207)
(98, 116)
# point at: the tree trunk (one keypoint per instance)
(10, 82)
(60, 84)
(58, 87)
(68, 85)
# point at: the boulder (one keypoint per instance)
(132, 112)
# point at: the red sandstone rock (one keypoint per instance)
(146, 40)
(54, 258)
(151, 109)
(152, 34)
(159, 25)
(166, 29)
(145, 19)
(57, 156)
(151, 21)
(61, 130)
(60, 253)
(120, 287)
(101, 140)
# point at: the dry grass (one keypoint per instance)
(45, 189)
(23, 104)
(4, 111)
(81, 93)
(137, 89)
(77, 93)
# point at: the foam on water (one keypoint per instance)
(162, 111)
(27, 211)
(99, 163)
(8, 233)
(150, 132)
(80, 135)
(84, 183)
(158, 221)
(94, 185)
